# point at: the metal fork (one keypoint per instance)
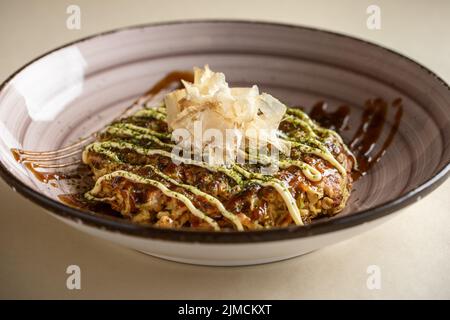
(52, 159)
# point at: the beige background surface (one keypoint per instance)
(412, 250)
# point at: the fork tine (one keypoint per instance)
(54, 152)
(36, 155)
(141, 101)
(52, 165)
(46, 158)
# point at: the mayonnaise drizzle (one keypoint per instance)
(106, 146)
(227, 214)
(172, 194)
(137, 132)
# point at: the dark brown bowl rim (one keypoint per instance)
(292, 232)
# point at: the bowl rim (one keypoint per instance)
(183, 235)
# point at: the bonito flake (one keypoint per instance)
(228, 119)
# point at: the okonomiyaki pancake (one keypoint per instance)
(137, 173)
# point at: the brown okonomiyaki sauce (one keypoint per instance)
(171, 78)
(55, 176)
(368, 133)
(334, 120)
(78, 201)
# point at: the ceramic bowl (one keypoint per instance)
(76, 89)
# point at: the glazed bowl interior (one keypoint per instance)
(77, 89)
